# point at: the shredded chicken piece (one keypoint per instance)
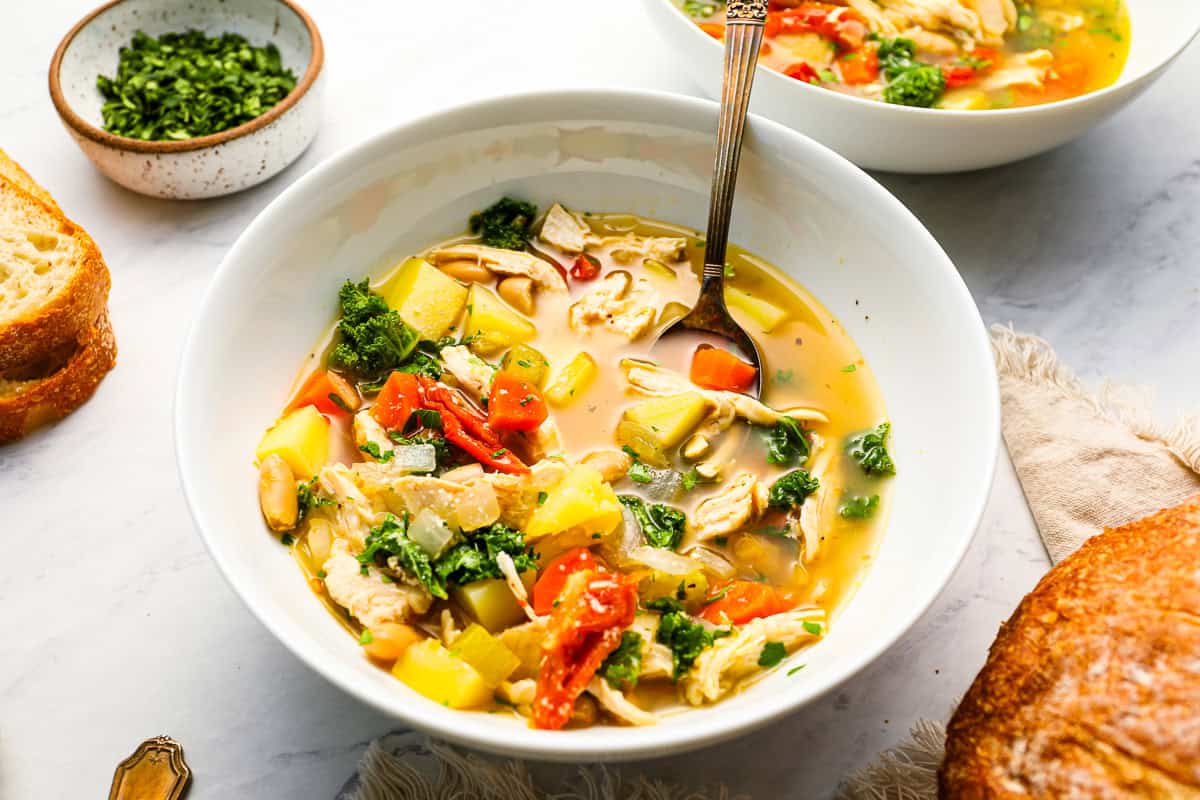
(450, 630)
(368, 598)
(352, 515)
(930, 42)
(996, 17)
(656, 658)
(368, 431)
(472, 374)
(620, 304)
(517, 495)
(812, 511)
(726, 406)
(616, 703)
(512, 579)
(877, 21)
(736, 506)
(519, 693)
(1021, 69)
(564, 230)
(544, 440)
(525, 641)
(625, 249)
(505, 262)
(720, 667)
(950, 16)
(1061, 20)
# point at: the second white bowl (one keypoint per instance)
(894, 138)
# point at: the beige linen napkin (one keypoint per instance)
(1085, 461)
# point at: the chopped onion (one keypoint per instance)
(664, 485)
(631, 534)
(660, 560)
(711, 561)
(431, 533)
(414, 458)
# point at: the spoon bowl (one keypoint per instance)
(709, 318)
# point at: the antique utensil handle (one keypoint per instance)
(744, 23)
(155, 771)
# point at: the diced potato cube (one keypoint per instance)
(527, 364)
(301, 439)
(428, 300)
(428, 668)
(572, 380)
(965, 100)
(656, 585)
(491, 603)
(582, 499)
(491, 324)
(491, 659)
(669, 419)
(763, 313)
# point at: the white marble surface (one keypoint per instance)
(117, 626)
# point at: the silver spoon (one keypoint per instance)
(744, 23)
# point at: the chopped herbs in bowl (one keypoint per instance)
(185, 85)
(190, 98)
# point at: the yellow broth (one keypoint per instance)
(1087, 42)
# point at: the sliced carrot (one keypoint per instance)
(713, 29)
(514, 404)
(329, 393)
(714, 368)
(741, 601)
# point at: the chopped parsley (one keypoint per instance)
(542, 497)
(850, 368)
(812, 627)
(287, 540)
(772, 653)
(796, 669)
(784, 376)
(373, 450)
(307, 499)
(366, 637)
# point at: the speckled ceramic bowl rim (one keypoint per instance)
(84, 128)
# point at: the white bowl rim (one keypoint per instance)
(632, 742)
(783, 80)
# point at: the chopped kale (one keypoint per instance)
(787, 443)
(869, 449)
(389, 540)
(505, 223)
(661, 525)
(859, 507)
(373, 450)
(791, 490)
(685, 637)
(475, 558)
(374, 338)
(622, 666)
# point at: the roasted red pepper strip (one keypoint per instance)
(468, 429)
(554, 577)
(585, 267)
(586, 625)
(741, 601)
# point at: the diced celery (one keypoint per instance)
(491, 659)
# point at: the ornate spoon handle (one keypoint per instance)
(155, 771)
(744, 23)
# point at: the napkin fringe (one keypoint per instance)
(421, 769)
(1031, 359)
(905, 772)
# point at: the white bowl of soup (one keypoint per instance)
(423, 430)
(927, 86)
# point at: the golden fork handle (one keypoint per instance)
(155, 771)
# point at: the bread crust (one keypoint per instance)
(1092, 687)
(71, 310)
(65, 390)
(16, 173)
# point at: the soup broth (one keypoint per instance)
(960, 55)
(807, 526)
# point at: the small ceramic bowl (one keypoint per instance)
(893, 138)
(207, 166)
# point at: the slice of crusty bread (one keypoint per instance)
(15, 172)
(1092, 687)
(57, 385)
(53, 281)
